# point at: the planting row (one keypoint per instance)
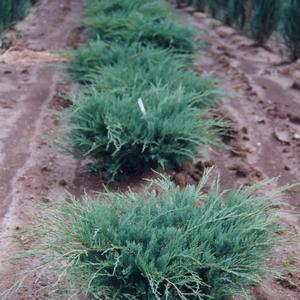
(13, 10)
(141, 105)
(258, 18)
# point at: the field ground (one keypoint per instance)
(265, 110)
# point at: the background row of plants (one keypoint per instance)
(142, 105)
(13, 10)
(258, 18)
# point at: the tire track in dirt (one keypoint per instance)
(31, 170)
(265, 111)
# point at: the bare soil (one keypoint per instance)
(31, 170)
(263, 103)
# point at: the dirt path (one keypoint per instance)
(266, 113)
(31, 171)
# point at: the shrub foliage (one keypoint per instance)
(148, 22)
(113, 130)
(133, 27)
(291, 27)
(134, 68)
(258, 18)
(265, 18)
(236, 12)
(171, 244)
(12, 10)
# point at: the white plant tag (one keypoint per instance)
(142, 107)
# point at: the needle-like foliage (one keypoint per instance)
(148, 26)
(140, 58)
(134, 80)
(89, 59)
(132, 69)
(150, 8)
(236, 12)
(265, 17)
(121, 137)
(172, 244)
(125, 69)
(291, 27)
(12, 10)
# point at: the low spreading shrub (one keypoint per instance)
(89, 59)
(133, 80)
(124, 27)
(156, 9)
(133, 69)
(171, 244)
(128, 62)
(291, 27)
(120, 137)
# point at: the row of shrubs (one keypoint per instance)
(141, 105)
(13, 10)
(258, 18)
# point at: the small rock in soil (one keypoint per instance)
(296, 136)
(260, 120)
(282, 134)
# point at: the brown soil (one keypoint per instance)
(32, 170)
(265, 111)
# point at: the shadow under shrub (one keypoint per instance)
(171, 244)
(120, 138)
